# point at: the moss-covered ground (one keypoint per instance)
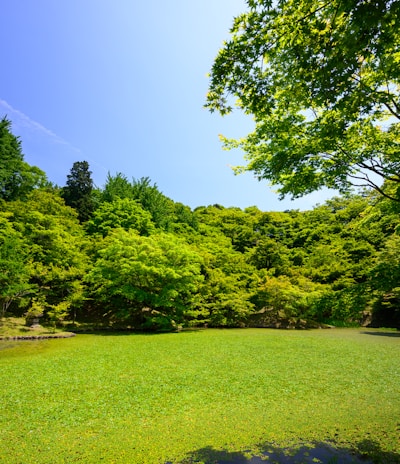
(200, 396)
(15, 327)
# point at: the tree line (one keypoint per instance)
(126, 255)
(321, 81)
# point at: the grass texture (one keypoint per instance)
(16, 327)
(198, 396)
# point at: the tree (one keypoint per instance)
(124, 213)
(117, 186)
(78, 190)
(184, 219)
(17, 178)
(234, 223)
(229, 280)
(146, 279)
(385, 281)
(285, 299)
(159, 206)
(270, 254)
(322, 80)
(14, 275)
(55, 245)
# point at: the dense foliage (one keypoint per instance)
(322, 81)
(17, 178)
(77, 192)
(136, 258)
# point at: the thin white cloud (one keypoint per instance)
(22, 120)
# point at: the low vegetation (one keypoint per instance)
(200, 394)
(16, 328)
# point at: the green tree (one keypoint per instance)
(385, 282)
(165, 214)
(287, 299)
(117, 186)
(77, 192)
(17, 178)
(224, 296)
(55, 242)
(270, 254)
(184, 219)
(14, 273)
(124, 213)
(148, 281)
(322, 81)
(159, 206)
(234, 223)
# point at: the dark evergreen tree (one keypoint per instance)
(78, 191)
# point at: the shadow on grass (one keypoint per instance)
(383, 334)
(365, 452)
(107, 331)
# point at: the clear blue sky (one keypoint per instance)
(122, 84)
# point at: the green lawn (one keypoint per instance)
(199, 395)
(14, 327)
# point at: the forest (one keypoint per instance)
(126, 256)
(177, 358)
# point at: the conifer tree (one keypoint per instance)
(78, 190)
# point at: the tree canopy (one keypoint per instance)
(150, 278)
(77, 192)
(139, 260)
(322, 81)
(17, 178)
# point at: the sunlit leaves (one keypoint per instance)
(14, 273)
(17, 178)
(55, 243)
(149, 277)
(121, 212)
(320, 80)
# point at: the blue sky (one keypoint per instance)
(122, 84)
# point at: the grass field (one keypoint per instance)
(16, 327)
(200, 396)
